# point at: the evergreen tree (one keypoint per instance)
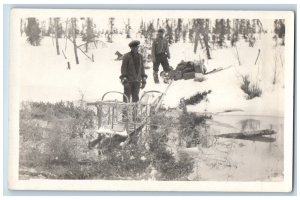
(222, 32)
(150, 31)
(128, 28)
(191, 35)
(184, 32)
(235, 32)
(111, 32)
(33, 32)
(142, 30)
(50, 28)
(157, 24)
(201, 27)
(279, 29)
(242, 28)
(169, 31)
(228, 29)
(89, 34)
(254, 23)
(21, 27)
(248, 27)
(178, 30)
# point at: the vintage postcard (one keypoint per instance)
(151, 100)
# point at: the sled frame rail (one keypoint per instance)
(113, 114)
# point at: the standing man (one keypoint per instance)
(160, 54)
(133, 75)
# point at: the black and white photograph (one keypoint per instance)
(151, 100)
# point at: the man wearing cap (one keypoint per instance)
(133, 75)
(160, 54)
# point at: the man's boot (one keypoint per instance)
(155, 77)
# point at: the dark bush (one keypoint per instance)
(197, 98)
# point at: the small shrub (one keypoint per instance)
(118, 164)
(197, 98)
(164, 161)
(252, 90)
(46, 132)
(188, 133)
(124, 163)
(60, 149)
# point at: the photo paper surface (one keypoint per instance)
(151, 100)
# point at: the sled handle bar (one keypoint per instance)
(150, 91)
(116, 92)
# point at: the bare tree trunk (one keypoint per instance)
(128, 29)
(197, 37)
(205, 38)
(74, 39)
(238, 57)
(111, 22)
(56, 35)
(21, 27)
(201, 43)
(66, 34)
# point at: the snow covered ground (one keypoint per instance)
(45, 77)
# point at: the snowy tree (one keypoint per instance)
(88, 34)
(235, 32)
(261, 29)
(222, 32)
(279, 29)
(191, 35)
(169, 31)
(202, 28)
(111, 32)
(33, 32)
(21, 27)
(228, 29)
(254, 24)
(178, 30)
(184, 32)
(198, 26)
(44, 30)
(219, 31)
(242, 27)
(141, 30)
(157, 23)
(127, 29)
(150, 32)
(50, 27)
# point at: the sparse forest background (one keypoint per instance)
(209, 34)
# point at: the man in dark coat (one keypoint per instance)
(160, 54)
(133, 75)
